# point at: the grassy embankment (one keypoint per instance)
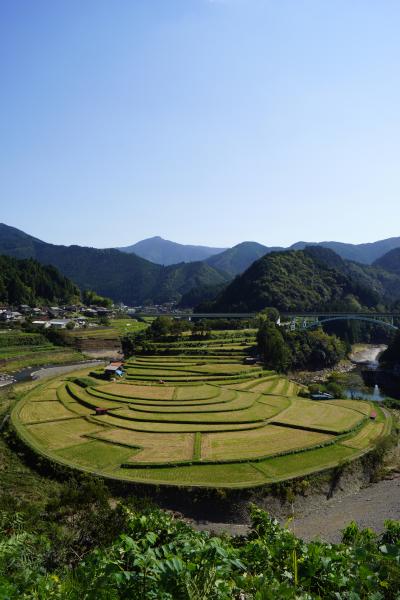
(19, 350)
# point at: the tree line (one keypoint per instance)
(284, 350)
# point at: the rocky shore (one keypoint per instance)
(361, 354)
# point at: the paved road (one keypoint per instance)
(61, 369)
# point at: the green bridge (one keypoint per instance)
(292, 320)
(308, 320)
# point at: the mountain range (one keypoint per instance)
(315, 278)
(127, 277)
(123, 277)
(237, 259)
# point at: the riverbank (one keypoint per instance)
(370, 507)
(366, 353)
(361, 354)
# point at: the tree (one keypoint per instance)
(160, 327)
(90, 297)
(178, 327)
(201, 327)
(272, 346)
(270, 313)
(105, 321)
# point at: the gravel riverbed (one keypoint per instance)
(369, 507)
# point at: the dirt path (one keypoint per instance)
(369, 507)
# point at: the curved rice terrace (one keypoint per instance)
(185, 419)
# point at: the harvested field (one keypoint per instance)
(217, 422)
(44, 411)
(264, 441)
(161, 392)
(361, 406)
(319, 415)
(96, 455)
(364, 438)
(291, 465)
(62, 434)
(153, 447)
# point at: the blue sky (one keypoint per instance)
(202, 121)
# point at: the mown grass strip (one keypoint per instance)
(197, 446)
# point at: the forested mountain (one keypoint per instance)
(117, 275)
(28, 282)
(281, 280)
(176, 280)
(390, 261)
(237, 259)
(363, 253)
(311, 279)
(165, 252)
(201, 293)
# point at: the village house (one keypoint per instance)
(54, 311)
(10, 316)
(25, 309)
(114, 368)
(60, 323)
(42, 323)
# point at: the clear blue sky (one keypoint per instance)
(201, 121)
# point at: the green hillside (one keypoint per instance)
(311, 279)
(117, 275)
(237, 259)
(390, 261)
(26, 281)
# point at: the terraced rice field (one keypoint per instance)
(323, 416)
(182, 420)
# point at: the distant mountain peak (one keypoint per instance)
(165, 252)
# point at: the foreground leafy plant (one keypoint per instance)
(160, 558)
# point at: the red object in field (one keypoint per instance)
(101, 411)
(373, 415)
